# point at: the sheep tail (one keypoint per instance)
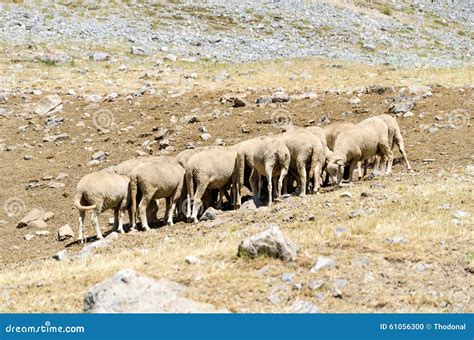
(78, 205)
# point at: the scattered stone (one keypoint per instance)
(315, 284)
(39, 224)
(55, 185)
(130, 292)
(428, 160)
(360, 261)
(65, 232)
(56, 138)
(221, 76)
(355, 101)
(470, 170)
(28, 237)
(136, 50)
(280, 97)
(402, 105)
(49, 215)
(48, 105)
(408, 114)
(99, 56)
(322, 263)
(53, 122)
(190, 259)
(460, 214)
(99, 156)
(287, 277)
(93, 98)
(27, 157)
(206, 136)
(237, 102)
(274, 299)
(396, 240)
(210, 214)
(421, 267)
(60, 256)
(369, 46)
(271, 243)
(340, 283)
(339, 231)
(418, 90)
(346, 194)
(42, 232)
(71, 92)
(89, 248)
(302, 306)
(33, 215)
(170, 57)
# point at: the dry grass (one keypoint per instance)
(408, 208)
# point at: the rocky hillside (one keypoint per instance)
(413, 33)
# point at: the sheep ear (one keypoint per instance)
(339, 162)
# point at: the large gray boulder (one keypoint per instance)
(271, 243)
(130, 292)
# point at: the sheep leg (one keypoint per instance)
(80, 233)
(283, 173)
(120, 220)
(285, 185)
(260, 185)
(174, 200)
(354, 163)
(269, 188)
(116, 215)
(254, 182)
(95, 218)
(316, 176)
(142, 210)
(359, 170)
(387, 153)
(220, 199)
(201, 185)
(366, 165)
(377, 162)
(301, 167)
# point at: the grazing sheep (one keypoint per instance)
(394, 138)
(245, 151)
(333, 130)
(305, 147)
(214, 168)
(270, 158)
(185, 155)
(98, 192)
(358, 144)
(156, 179)
(125, 168)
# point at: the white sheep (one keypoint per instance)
(162, 178)
(394, 138)
(271, 158)
(333, 130)
(214, 168)
(358, 144)
(305, 148)
(98, 192)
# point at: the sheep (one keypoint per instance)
(305, 147)
(394, 138)
(358, 144)
(333, 130)
(162, 178)
(99, 191)
(213, 168)
(270, 158)
(125, 168)
(185, 155)
(245, 151)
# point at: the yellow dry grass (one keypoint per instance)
(407, 208)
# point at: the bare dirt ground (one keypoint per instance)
(430, 270)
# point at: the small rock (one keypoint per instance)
(429, 160)
(402, 105)
(190, 259)
(315, 284)
(40, 224)
(28, 237)
(60, 256)
(48, 105)
(137, 50)
(339, 231)
(346, 194)
(460, 214)
(274, 299)
(408, 114)
(271, 243)
(49, 215)
(99, 156)
(42, 232)
(206, 136)
(65, 232)
(323, 262)
(99, 56)
(221, 76)
(355, 101)
(280, 97)
(302, 306)
(360, 261)
(33, 215)
(210, 214)
(287, 277)
(396, 240)
(340, 283)
(56, 138)
(237, 102)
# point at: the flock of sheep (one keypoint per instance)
(267, 165)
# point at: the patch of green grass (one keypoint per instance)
(387, 10)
